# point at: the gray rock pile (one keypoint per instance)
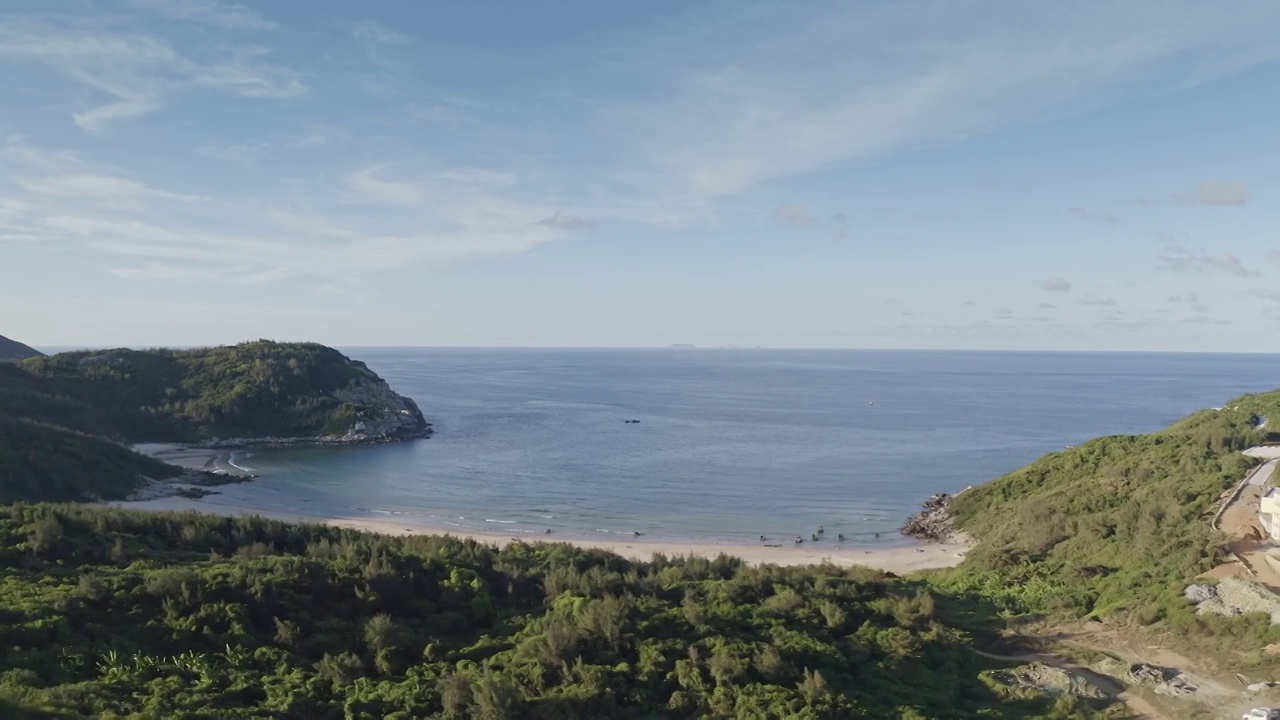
(1046, 678)
(1233, 596)
(933, 522)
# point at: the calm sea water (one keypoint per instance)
(731, 444)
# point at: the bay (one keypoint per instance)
(731, 444)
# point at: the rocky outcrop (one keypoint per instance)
(1043, 678)
(934, 522)
(1233, 596)
(381, 415)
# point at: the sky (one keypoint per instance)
(989, 174)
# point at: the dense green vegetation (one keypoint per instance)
(1115, 527)
(110, 614)
(256, 389)
(41, 462)
(14, 350)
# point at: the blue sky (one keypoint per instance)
(931, 174)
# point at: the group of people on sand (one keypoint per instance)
(815, 537)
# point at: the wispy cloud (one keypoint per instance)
(1177, 258)
(1102, 216)
(1048, 306)
(756, 111)
(369, 186)
(240, 153)
(1056, 285)
(839, 227)
(795, 213)
(97, 187)
(369, 31)
(1184, 298)
(1270, 295)
(572, 223)
(1216, 194)
(208, 12)
(138, 72)
(1097, 300)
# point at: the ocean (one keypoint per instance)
(731, 444)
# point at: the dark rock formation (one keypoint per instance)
(933, 522)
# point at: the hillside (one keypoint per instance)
(44, 463)
(1116, 528)
(14, 350)
(113, 614)
(252, 390)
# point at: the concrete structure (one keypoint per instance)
(1269, 512)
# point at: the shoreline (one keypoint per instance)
(900, 560)
(913, 556)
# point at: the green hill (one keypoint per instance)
(14, 350)
(252, 390)
(1113, 528)
(41, 463)
(63, 418)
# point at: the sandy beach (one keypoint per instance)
(898, 560)
(192, 458)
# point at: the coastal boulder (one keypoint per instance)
(933, 522)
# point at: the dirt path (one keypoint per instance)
(1247, 539)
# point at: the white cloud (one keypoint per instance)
(1184, 298)
(1261, 294)
(208, 12)
(1056, 285)
(1097, 300)
(1217, 194)
(371, 32)
(139, 72)
(482, 228)
(795, 213)
(1048, 306)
